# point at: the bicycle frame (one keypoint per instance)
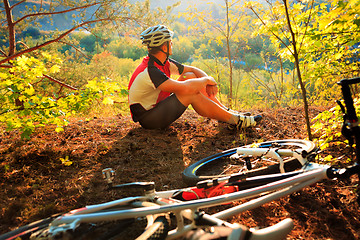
(274, 153)
(189, 209)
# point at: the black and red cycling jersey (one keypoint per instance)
(144, 93)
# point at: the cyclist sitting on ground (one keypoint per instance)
(156, 100)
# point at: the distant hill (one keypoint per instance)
(184, 4)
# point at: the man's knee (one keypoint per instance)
(186, 75)
(186, 100)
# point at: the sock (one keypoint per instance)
(234, 119)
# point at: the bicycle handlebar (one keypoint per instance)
(350, 114)
(349, 103)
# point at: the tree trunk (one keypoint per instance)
(298, 71)
(11, 30)
(229, 54)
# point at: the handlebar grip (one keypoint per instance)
(349, 81)
(237, 232)
(275, 232)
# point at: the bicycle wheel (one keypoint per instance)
(259, 163)
(123, 229)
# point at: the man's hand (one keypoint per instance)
(211, 87)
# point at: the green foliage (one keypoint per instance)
(31, 32)
(183, 49)
(78, 72)
(326, 126)
(253, 61)
(215, 68)
(25, 107)
(127, 47)
(327, 37)
(332, 41)
(88, 42)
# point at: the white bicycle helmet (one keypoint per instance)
(155, 36)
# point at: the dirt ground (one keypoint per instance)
(56, 172)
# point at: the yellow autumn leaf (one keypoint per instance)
(30, 90)
(108, 100)
(59, 129)
(3, 75)
(46, 55)
(328, 158)
(22, 60)
(338, 56)
(55, 69)
(65, 161)
(92, 84)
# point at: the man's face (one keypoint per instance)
(164, 47)
(170, 47)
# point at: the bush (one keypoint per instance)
(24, 106)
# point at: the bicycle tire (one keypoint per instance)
(157, 230)
(212, 166)
(25, 231)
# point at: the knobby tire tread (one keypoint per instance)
(159, 232)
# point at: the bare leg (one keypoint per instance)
(210, 106)
(189, 75)
(205, 106)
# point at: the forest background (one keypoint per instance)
(64, 70)
(72, 58)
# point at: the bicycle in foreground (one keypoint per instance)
(150, 213)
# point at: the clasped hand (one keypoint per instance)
(212, 89)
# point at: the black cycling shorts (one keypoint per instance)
(163, 114)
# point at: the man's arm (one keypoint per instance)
(209, 90)
(190, 86)
(197, 71)
(174, 69)
(191, 73)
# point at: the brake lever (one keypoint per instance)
(341, 106)
(109, 175)
(345, 131)
(146, 186)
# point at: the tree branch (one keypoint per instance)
(307, 25)
(50, 41)
(16, 4)
(332, 33)
(276, 36)
(3, 53)
(221, 31)
(11, 31)
(6, 66)
(59, 82)
(77, 49)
